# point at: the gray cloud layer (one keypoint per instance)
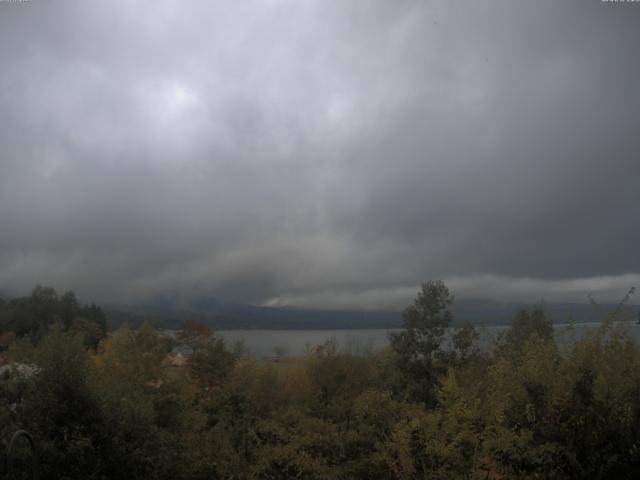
(320, 153)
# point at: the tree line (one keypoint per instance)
(112, 405)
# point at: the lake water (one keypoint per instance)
(265, 343)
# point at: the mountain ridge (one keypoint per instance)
(224, 315)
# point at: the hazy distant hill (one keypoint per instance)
(222, 315)
(168, 313)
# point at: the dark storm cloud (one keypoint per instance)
(320, 153)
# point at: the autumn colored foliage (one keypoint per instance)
(538, 403)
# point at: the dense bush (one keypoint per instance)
(534, 406)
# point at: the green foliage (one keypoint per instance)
(417, 345)
(57, 404)
(211, 363)
(532, 408)
(33, 316)
(464, 341)
(526, 324)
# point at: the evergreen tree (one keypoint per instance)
(418, 344)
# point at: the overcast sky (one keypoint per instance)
(320, 153)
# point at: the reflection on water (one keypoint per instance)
(268, 343)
